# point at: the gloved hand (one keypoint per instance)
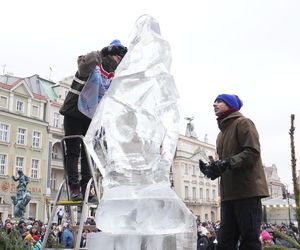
(217, 168)
(203, 167)
(114, 50)
(117, 50)
(208, 170)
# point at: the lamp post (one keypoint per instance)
(288, 200)
(286, 195)
(265, 219)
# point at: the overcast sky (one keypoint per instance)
(249, 48)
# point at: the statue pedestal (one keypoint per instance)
(109, 241)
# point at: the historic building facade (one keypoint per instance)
(200, 194)
(23, 142)
(56, 133)
(280, 206)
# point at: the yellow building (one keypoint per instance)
(23, 142)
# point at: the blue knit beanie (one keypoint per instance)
(117, 43)
(233, 101)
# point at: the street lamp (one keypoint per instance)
(286, 195)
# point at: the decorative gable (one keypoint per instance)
(22, 89)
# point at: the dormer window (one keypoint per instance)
(20, 106)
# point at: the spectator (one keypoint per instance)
(202, 239)
(21, 228)
(34, 231)
(59, 234)
(67, 236)
(60, 214)
(212, 239)
(266, 238)
(8, 227)
(83, 237)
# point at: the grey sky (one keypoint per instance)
(249, 48)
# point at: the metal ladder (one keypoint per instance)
(69, 203)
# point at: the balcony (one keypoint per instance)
(198, 202)
(57, 163)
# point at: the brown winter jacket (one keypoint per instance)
(86, 64)
(238, 141)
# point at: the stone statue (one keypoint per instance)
(23, 196)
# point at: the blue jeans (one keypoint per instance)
(240, 223)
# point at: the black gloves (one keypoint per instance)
(209, 170)
(114, 50)
(214, 169)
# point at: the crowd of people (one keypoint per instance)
(28, 233)
(283, 235)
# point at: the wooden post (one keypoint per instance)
(294, 171)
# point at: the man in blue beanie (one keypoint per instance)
(77, 123)
(243, 182)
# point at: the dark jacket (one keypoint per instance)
(202, 242)
(86, 64)
(238, 141)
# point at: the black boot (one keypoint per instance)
(92, 195)
(75, 192)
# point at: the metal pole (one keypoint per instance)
(288, 200)
(265, 219)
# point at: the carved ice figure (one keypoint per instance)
(132, 139)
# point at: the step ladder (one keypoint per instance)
(82, 205)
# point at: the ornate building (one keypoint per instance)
(275, 185)
(23, 141)
(201, 195)
(280, 206)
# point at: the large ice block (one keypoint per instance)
(132, 139)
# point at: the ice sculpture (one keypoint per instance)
(132, 139)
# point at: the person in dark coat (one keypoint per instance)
(202, 239)
(77, 123)
(243, 182)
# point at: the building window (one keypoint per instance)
(36, 139)
(201, 193)
(19, 164)
(213, 217)
(21, 136)
(214, 194)
(35, 168)
(35, 111)
(53, 181)
(186, 192)
(3, 101)
(194, 193)
(2, 164)
(194, 170)
(32, 210)
(4, 128)
(54, 153)
(186, 169)
(207, 195)
(56, 120)
(20, 106)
